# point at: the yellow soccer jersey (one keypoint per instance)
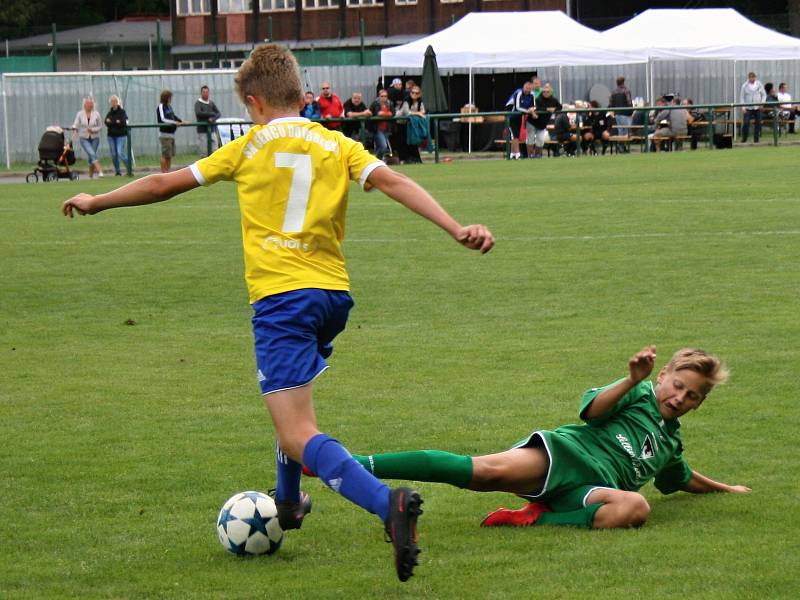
(293, 178)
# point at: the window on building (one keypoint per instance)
(451, 1)
(193, 7)
(234, 6)
(275, 5)
(404, 2)
(187, 65)
(364, 2)
(231, 63)
(320, 3)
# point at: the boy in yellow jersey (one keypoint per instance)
(293, 178)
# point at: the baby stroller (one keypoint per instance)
(55, 157)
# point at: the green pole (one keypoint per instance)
(646, 130)
(269, 28)
(159, 45)
(711, 129)
(361, 36)
(55, 49)
(775, 126)
(435, 139)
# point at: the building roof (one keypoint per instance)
(127, 32)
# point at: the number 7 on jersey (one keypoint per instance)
(299, 190)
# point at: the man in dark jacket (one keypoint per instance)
(619, 100)
(546, 105)
(205, 111)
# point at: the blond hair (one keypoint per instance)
(699, 361)
(272, 73)
(112, 96)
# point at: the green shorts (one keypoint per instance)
(570, 476)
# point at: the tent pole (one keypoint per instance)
(647, 75)
(383, 78)
(560, 91)
(733, 101)
(469, 127)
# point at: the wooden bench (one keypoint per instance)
(673, 142)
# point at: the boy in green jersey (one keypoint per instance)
(587, 475)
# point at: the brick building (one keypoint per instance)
(219, 33)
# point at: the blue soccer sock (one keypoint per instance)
(287, 488)
(339, 471)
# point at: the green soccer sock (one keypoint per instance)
(420, 465)
(583, 517)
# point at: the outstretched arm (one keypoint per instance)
(640, 365)
(147, 190)
(411, 195)
(700, 484)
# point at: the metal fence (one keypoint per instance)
(32, 102)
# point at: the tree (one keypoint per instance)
(794, 17)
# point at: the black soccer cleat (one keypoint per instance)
(291, 514)
(401, 529)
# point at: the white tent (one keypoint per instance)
(512, 40)
(705, 33)
(701, 34)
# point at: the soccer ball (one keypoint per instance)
(248, 524)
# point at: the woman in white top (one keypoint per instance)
(88, 124)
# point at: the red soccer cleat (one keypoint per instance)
(523, 517)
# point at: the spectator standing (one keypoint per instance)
(354, 108)
(87, 125)
(546, 105)
(788, 110)
(117, 128)
(522, 104)
(168, 122)
(310, 109)
(619, 100)
(382, 107)
(396, 93)
(330, 105)
(205, 111)
(753, 95)
(416, 128)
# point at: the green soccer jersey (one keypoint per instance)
(632, 443)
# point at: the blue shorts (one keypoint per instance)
(294, 334)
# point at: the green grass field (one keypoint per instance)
(120, 442)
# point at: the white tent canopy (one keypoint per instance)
(512, 40)
(705, 33)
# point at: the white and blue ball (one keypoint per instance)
(248, 524)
